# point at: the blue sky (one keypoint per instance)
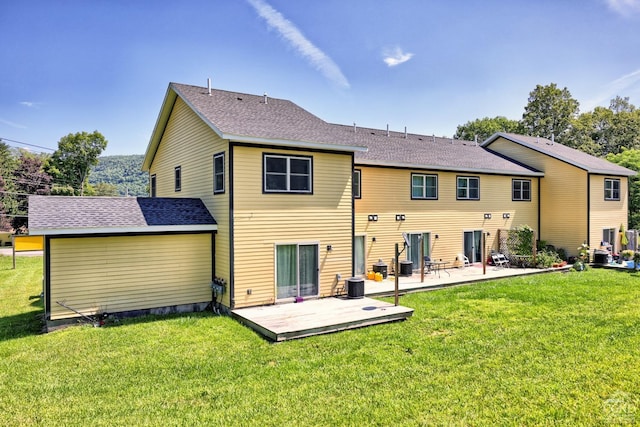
(77, 65)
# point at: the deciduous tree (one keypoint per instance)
(76, 154)
(549, 112)
(484, 128)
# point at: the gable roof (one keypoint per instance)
(61, 215)
(264, 120)
(566, 154)
(248, 118)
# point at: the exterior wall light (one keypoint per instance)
(400, 217)
(372, 218)
(487, 216)
(506, 215)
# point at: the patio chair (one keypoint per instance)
(464, 261)
(499, 260)
(427, 264)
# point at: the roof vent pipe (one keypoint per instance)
(387, 129)
(355, 129)
(266, 98)
(433, 137)
(405, 132)
(553, 138)
(475, 138)
(209, 85)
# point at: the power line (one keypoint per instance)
(2, 139)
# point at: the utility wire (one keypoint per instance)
(2, 139)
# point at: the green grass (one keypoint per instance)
(553, 349)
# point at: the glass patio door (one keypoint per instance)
(296, 271)
(413, 252)
(473, 245)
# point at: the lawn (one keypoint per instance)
(552, 349)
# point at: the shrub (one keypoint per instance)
(546, 259)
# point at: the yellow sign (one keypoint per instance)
(28, 243)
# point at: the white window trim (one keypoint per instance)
(424, 186)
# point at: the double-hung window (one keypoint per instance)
(611, 189)
(357, 176)
(153, 185)
(521, 190)
(287, 174)
(468, 188)
(424, 186)
(218, 173)
(177, 178)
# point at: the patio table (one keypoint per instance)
(437, 266)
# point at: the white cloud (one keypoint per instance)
(292, 35)
(396, 56)
(31, 104)
(620, 86)
(624, 7)
(12, 124)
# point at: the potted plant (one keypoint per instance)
(627, 254)
(583, 258)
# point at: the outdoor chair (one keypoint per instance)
(463, 259)
(499, 260)
(427, 264)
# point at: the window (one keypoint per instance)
(218, 173)
(356, 184)
(468, 188)
(297, 270)
(521, 190)
(424, 186)
(177, 178)
(287, 174)
(611, 189)
(153, 185)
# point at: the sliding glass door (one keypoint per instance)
(296, 271)
(413, 251)
(473, 245)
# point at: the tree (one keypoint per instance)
(8, 203)
(549, 112)
(76, 154)
(484, 128)
(30, 178)
(630, 159)
(606, 130)
(105, 189)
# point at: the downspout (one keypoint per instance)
(539, 208)
(47, 278)
(353, 215)
(589, 209)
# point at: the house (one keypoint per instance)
(582, 198)
(301, 204)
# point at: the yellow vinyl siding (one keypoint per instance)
(189, 143)
(607, 213)
(387, 192)
(261, 221)
(115, 274)
(563, 196)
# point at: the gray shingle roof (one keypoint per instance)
(75, 215)
(569, 155)
(234, 114)
(429, 152)
(248, 118)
